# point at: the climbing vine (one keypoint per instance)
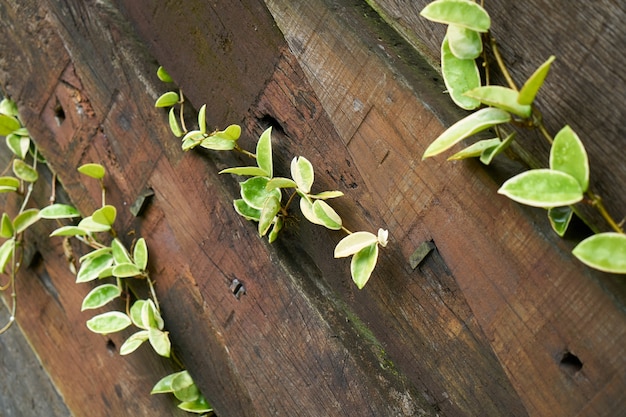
(263, 198)
(557, 188)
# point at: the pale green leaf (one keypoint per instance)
(254, 192)
(202, 119)
(325, 195)
(6, 226)
(268, 213)
(105, 215)
(8, 107)
(488, 154)
(150, 316)
(474, 123)
(280, 182)
(543, 188)
(6, 252)
(165, 384)
(327, 215)
(501, 97)
(246, 211)
(126, 270)
(560, 218)
(192, 139)
(264, 153)
(19, 145)
(475, 149)
(92, 170)
(100, 296)
(459, 76)
(172, 119)
(140, 254)
(24, 171)
(91, 268)
(464, 13)
(10, 183)
(198, 406)
(531, 87)
(163, 75)
(184, 388)
(218, 143)
(107, 323)
(306, 207)
(252, 171)
(568, 155)
(58, 211)
(120, 253)
(603, 251)
(95, 253)
(232, 132)
(302, 173)
(89, 225)
(25, 219)
(136, 311)
(363, 264)
(276, 228)
(133, 342)
(464, 43)
(160, 342)
(69, 231)
(167, 99)
(353, 243)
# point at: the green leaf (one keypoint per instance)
(464, 13)
(6, 227)
(192, 139)
(105, 215)
(150, 316)
(24, 171)
(306, 207)
(543, 188)
(353, 243)
(198, 406)
(136, 314)
(363, 264)
(8, 107)
(163, 75)
(464, 43)
(160, 342)
(232, 132)
(529, 91)
(95, 253)
(218, 143)
(202, 119)
(100, 296)
(280, 182)
(475, 149)
(560, 218)
(107, 323)
(604, 251)
(140, 254)
(568, 155)
(474, 123)
(92, 170)
(6, 252)
(167, 99)
(126, 270)
(269, 212)
(164, 385)
(276, 228)
(19, 145)
(89, 225)
(325, 195)
(133, 342)
(58, 211)
(120, 253)
(264, 153)
(501, 97)
(459, 76)
(254, 192)
(184, 388)
(253, 171)
(488, 155)
(246, 211)
(8, 124)
(25, 219)
(91, 268)
(302, 173)
(327, 215)
(10, 183)
(69, 231)
(173, 122)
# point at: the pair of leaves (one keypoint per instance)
(363, 247)
(113, 261)
(265, 166)
(181, 384)
(146, 316)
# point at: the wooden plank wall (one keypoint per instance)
(487, 325)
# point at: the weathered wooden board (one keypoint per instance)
(489, 324)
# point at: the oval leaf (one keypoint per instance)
(25, 219)
(165, 384)
(254, 192)
(543, 188)
(501, 97)
(246, 211)
(198, 406)
(270, 209)
(276, 228)
(8, 107)
(460, 76)
(19, 145)
(160, 342)
(568, 155)
(464, 13)
(327, 215)
(105, 215)
(306, 207)
(91, 268)
(89, 225)
(232, 132)
(217, 143)
(353, 243)
(604, 251)
(325, 195)
(150, 317)
(11, 183)
(92, 170)
(8, 124)
(120, 254)
(163, 75)
(264, 153)
(202, 119)
(126, 270)
(95, 253)
(464, 43)
(474, 123)
(136, 314)
(140, 254)
(133, 342)
(6, 252)
(100, 296)
(58, 211)
(167, 99)
(279, 182)
(69, 231)
(302, 173)
(24, 171)
(107, 323)
(173, 122)
(6, 226)
(184, 388)
(530, 88)
(475, 149)
(363, 264)
(244, 171)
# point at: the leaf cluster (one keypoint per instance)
(557, 188)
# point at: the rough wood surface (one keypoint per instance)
(490, 323)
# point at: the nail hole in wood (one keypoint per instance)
(570, 363)
(59, 114)
(237, 288)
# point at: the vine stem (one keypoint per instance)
(596, 201)
(501, 65)
(245, 152)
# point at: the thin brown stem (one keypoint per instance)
(243, 151)
(596, 201)
(501, 64)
